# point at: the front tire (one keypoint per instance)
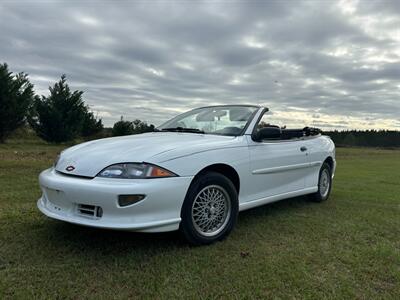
(210, 209)
(324, 184)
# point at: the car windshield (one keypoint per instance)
(223, 120)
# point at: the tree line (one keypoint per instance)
(61, 116)
(366, 138)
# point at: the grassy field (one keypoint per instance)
(348, 247)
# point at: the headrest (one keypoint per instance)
(210, 115)
(239, 114)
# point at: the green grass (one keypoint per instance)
(347, 247)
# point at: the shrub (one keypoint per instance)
(141, 127)
(122, 128)
(125, 127)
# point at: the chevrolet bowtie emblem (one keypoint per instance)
(70, 168)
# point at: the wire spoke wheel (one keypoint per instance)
(324, 183)
(211, 210)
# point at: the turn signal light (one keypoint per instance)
(126, 200)
(159, 172)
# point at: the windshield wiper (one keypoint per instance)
(182, 129)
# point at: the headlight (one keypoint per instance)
(135, 170)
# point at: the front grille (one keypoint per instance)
(90, 210)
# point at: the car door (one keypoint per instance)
(316, 155)
(276, 166)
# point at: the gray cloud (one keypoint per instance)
(338, 63)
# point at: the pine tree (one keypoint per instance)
(91, 125)
(60, 116)
(16, 95)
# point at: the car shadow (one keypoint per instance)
(110, 242)
(105, 241)
(283, 206)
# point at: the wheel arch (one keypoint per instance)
(329, 161)
(224, 169)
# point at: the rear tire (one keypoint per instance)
(210, 209)
(324, 184)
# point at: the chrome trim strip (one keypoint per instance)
(315, 163)
(286, 168)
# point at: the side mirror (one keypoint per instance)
(267, 133)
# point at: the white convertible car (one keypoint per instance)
(194, 173)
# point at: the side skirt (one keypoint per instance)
(270, 199)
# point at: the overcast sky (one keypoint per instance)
(328, 64)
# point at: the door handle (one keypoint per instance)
(303, 148)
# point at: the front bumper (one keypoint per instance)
(159, 211)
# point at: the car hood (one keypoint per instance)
(88, 159)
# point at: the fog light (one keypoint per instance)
(125, 200)
(99, 212)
